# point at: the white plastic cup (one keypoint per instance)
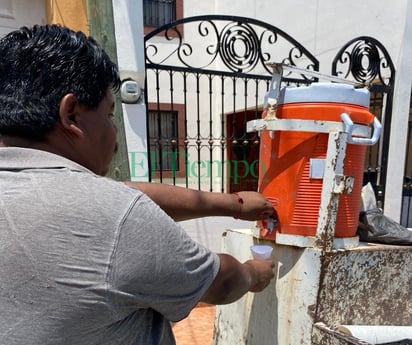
(261, 252)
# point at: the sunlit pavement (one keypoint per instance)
(197, 328)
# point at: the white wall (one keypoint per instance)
(17, 13)
(128, 19)
(208, 231)
(401, 108)
(322, 26)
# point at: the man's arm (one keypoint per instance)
(183, 203)
(235, 279)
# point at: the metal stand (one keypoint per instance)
(334, 181)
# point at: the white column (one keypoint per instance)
(129, 31)
(399, 126)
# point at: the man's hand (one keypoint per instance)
(264, 273)
(254, 206)
(235, 279)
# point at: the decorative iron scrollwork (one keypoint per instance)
(242, 45)
(365, 60)
(239, 47)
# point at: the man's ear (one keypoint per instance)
(69, 113)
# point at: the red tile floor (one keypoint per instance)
(197, 328)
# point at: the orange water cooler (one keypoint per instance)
(292, 161)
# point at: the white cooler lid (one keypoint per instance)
(324, 93)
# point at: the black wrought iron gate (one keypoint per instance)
(208, 75)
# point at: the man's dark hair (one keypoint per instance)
(38, 66)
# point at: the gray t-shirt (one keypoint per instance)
(87, 260)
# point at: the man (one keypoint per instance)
(85, 259)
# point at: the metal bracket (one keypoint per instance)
(343, 184)
(305, 126)
(274, 88)
(282, 66)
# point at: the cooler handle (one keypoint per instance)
(361, 141)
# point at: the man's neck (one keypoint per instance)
(14, 141)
